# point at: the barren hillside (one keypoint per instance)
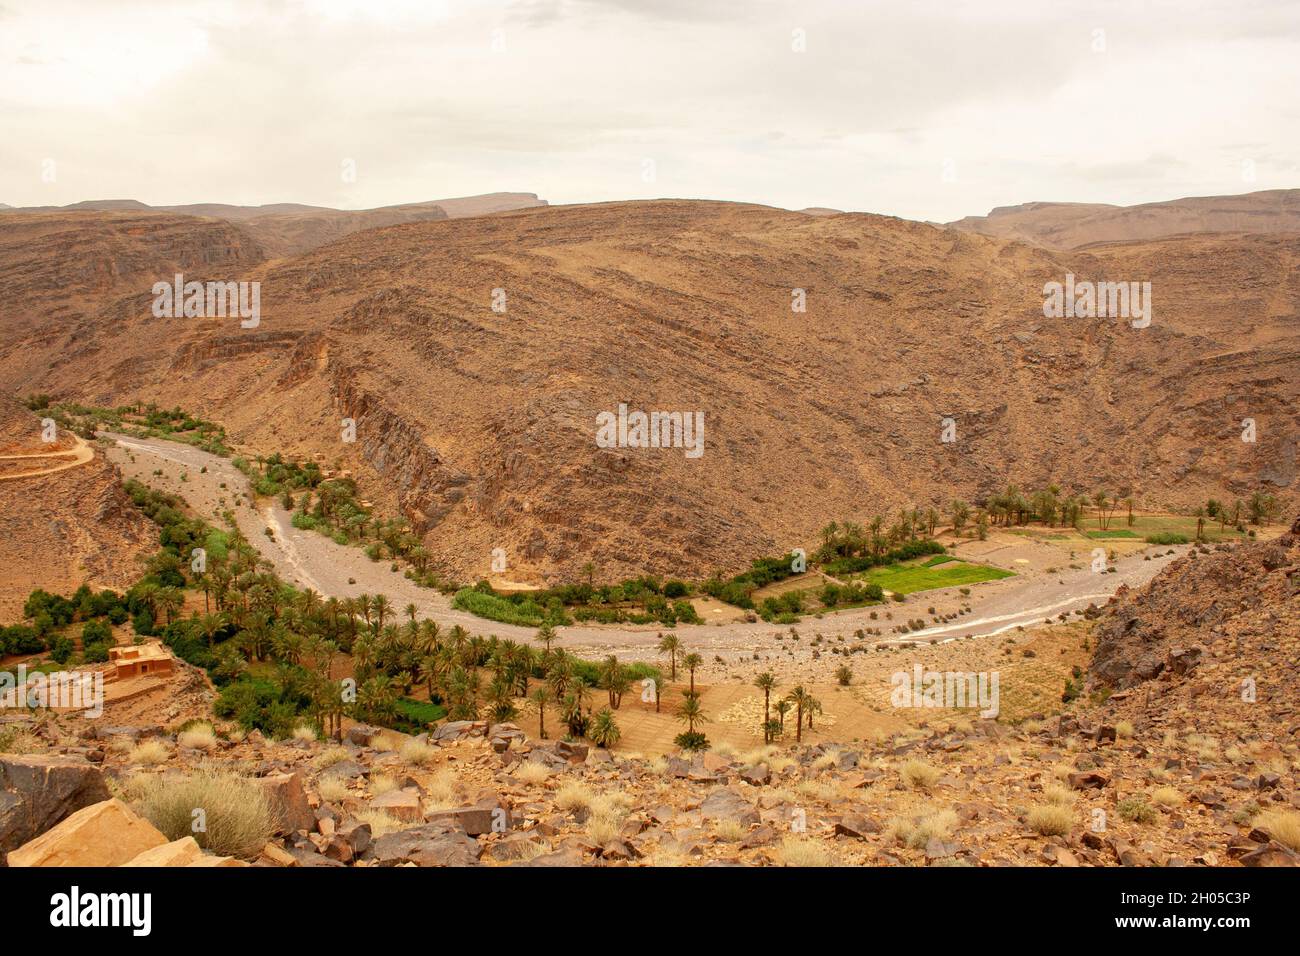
(1064, 225)
(62, 528)
(286, 229)
(481, 424)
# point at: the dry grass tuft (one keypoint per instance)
(802, 851)
(532, 773)
(150, 753)
(332, 789)
(1282, 825)
(574, 797)
(917, 832)
(380, 822)
(198, 737)
(418, 753)
(237, 814)
(330, 756)
(918, 775)
(730, 831)
(1060, 796)
(1167, 796)
(442, 789)
(1051, 819)
(14, 740)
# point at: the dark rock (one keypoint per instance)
(38, 791)
(433, 844)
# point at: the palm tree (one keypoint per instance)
(1099, 501)
(782, 708)
(604, 731)
(690, 713)
(381, 607)
(430, 635)
(502, 702)
(670, 645)
(429, 670)
(540, 697)
(765, 682)
(171, 600)
(545, 635)
(210, 624)
(572, 706)
(690, 662)
(813, 706)
(799, 698)
(614, 680)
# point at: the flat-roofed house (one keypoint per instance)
(136, 660)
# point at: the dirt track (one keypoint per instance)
(309, 559)
(81, 453)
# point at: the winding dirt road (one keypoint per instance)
(79, 454)
(211, 485)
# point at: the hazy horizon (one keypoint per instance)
(754, 202)
(929, 112)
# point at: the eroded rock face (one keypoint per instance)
(37, 792)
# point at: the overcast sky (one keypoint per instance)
(929, 110)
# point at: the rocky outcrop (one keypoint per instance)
(37, 792)
(1232, 594)
(103, 834)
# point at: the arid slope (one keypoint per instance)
(481, 424)
(1064, 225)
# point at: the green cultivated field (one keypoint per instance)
(907, 578)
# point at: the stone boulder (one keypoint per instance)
(104, 834)
(433, 844)
(37, 792)
(362, 735)
(572, 751)
(402, 804)
(183, 852)
(460, 730)
(727, 804)
(489, 815)
(288, 801)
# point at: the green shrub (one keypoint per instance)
(62, 648)
(1167, 537)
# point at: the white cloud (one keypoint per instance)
(256, 102)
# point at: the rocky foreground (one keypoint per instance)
(1182, 750)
